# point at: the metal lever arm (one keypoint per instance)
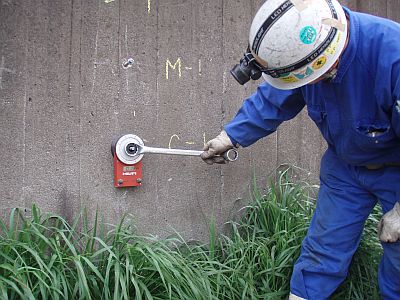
(230, 155)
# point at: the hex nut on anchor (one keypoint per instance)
(139, 180)
(120, 181)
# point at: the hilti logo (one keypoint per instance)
(129, 173)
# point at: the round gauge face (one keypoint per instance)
(128, 149)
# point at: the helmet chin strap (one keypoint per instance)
(331, 74)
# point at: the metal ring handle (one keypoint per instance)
(231, 155)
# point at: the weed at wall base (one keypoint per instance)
(44, 257)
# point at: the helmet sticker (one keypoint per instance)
(334, 23)
(308, 35)
(289, 79)
(331, 50)
(284, 75)
(301, 4)
(304, 73)
(319, 62)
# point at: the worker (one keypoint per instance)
(344, 67)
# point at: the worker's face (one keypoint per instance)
(327, 75)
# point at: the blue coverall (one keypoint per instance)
(363, 98)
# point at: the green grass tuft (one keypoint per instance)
(44, 257)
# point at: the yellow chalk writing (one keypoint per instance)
(171, 138)
(176, 137)
(199, 67)
(168, 65)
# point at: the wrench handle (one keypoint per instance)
(230, 155)
(168, 151)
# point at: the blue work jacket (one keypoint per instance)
(358, 112)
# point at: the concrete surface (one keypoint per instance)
(64, 95)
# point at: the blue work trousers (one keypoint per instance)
(347, 196)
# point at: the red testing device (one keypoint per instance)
(127, 161)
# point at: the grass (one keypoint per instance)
(44, 257)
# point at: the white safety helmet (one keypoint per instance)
(297, 41)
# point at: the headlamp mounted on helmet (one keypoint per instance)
(247, 69)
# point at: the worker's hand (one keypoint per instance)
(215, 147)
(389, 225)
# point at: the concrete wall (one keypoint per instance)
(64, 95)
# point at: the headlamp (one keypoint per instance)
(247, 69)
